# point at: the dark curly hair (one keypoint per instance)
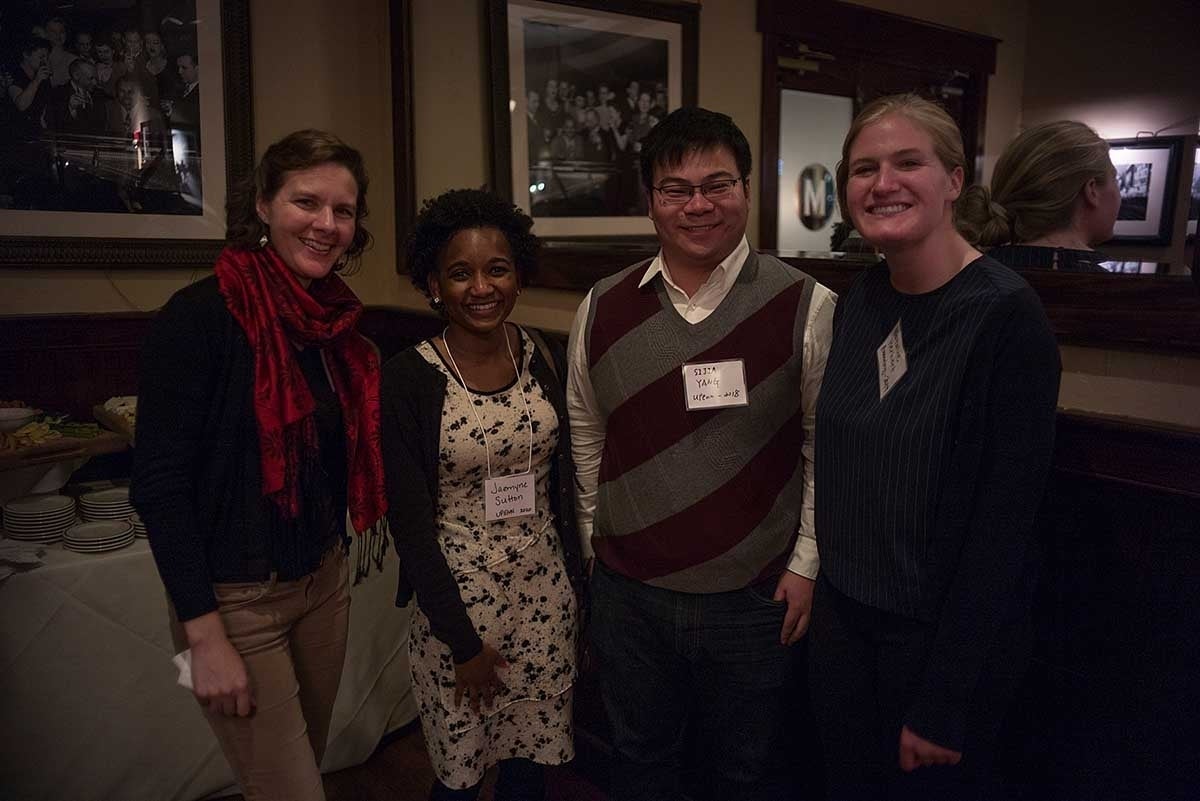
(301, 150)
(459, 209)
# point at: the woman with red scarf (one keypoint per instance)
(258, 428)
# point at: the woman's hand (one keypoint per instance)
(477, 679)
(219, 677)
(916, 752)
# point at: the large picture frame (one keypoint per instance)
(200, 143)
(1148, 177)
(621, 65)
(403, 158)
(1193, 216)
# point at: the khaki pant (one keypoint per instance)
(292, 637)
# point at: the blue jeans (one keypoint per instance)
(668, 660)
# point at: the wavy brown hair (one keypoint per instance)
(301, 150)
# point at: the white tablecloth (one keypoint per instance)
(89, 708)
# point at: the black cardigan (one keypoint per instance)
(197, 474)
(413, 393)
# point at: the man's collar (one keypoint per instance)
(731, 263)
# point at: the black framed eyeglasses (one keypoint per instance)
(712, 190)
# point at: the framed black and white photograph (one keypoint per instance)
(123, 126)
(576, 85)
(403, 158)
(1147, 174)
(1194, 197)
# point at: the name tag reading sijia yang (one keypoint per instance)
(715, 385)
(510, 496)
(893, 361)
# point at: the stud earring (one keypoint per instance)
(436, 304)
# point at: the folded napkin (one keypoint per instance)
(183, 661)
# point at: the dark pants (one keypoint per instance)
(669, 660)
(517, 780)
(865, 671)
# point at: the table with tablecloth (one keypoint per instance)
(89, 707)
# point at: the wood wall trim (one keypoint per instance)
(1134, 454)
(70, 362)
(878, 35)
(403, 137)
(1159, 313)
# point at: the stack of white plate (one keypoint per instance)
(139, 528)
(39, 518)
(108, 504)
(98, 535)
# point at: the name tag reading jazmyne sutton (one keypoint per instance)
(510, 496)
(715, 385)
(893, 361)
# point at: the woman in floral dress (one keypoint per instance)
(477, 456)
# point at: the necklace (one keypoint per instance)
(487, 448)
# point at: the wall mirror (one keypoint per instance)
(824, 60)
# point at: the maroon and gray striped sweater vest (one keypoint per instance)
(700, 501)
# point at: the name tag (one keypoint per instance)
(510, 496)
(715, 385)
(893, 362)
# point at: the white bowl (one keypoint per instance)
(12, 418)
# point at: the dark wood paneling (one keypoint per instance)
(70, 362)
(1137, 455)
(877, 34)
(1108, 709)
(393, 330)
(768, 185)
(1138, 312)
(403, 152)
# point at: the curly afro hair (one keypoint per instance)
(457, 210)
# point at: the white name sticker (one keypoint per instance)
(510, 496)
(893, 362)
(715, 385)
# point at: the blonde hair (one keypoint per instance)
(1035, 184)
(925, 114)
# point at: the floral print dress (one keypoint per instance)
(512, 579)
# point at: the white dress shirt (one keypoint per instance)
(588, 424)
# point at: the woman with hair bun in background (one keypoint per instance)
(1054, 198)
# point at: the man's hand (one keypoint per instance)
(477, 678)
(916, 752)
(798, 592)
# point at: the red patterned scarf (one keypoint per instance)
(278, 314)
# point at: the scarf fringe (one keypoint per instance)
(373, 548)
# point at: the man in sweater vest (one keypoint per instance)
(692, 391)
